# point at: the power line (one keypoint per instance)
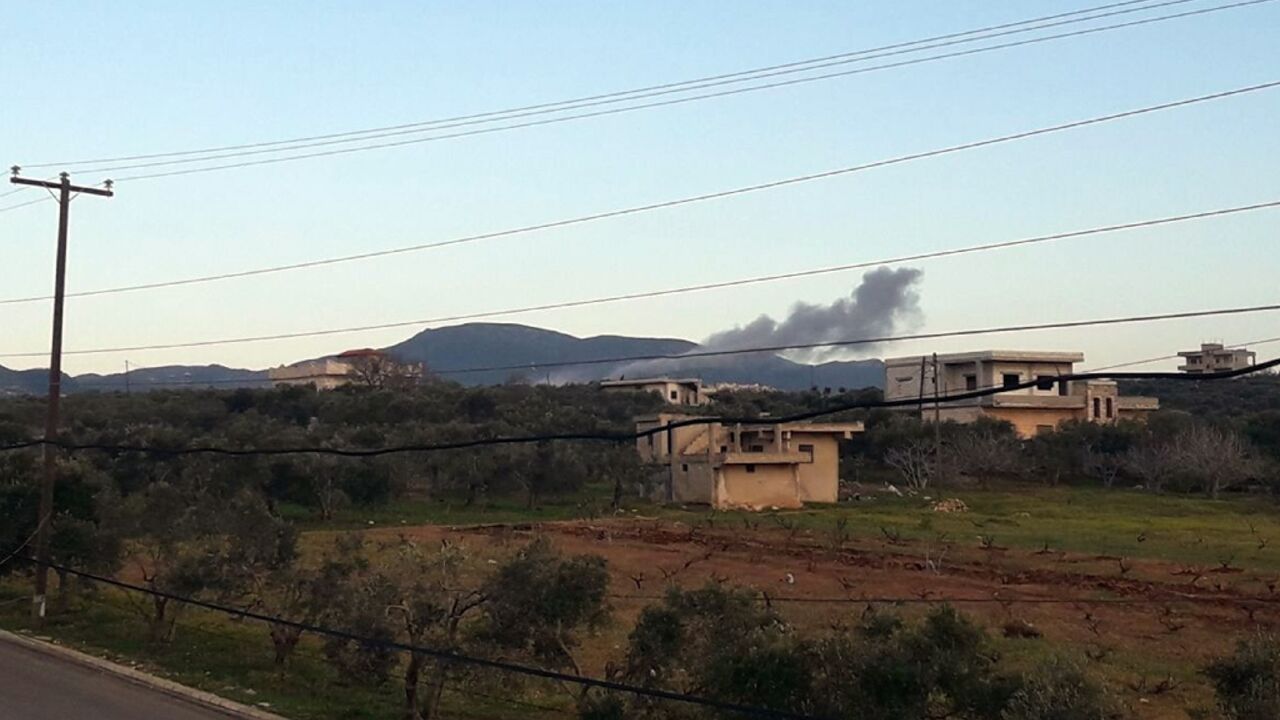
(440, 654)
(743, 76)
(1175, 356)
(677, 101)
(869, 340)
(637, 209)
(374, 135)
(632, 436)
(754, 349)
(705, 286)
(934, 600)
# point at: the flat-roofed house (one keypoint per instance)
(1030, 410)
(752, 466)
(676, 391)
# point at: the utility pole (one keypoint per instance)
(44, 518)
(937, 417)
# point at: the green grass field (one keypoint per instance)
(234, 658)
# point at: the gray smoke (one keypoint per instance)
(884, 301)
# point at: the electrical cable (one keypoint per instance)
(437, 653)
(516, 115)
(638, 209)
(1175, 356)
(700, 287)
(665, 103)
(696, 354)
(586, 436)
(624, 95)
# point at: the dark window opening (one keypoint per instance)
(1097, 408)
(970, 382)
(724, 448)
(1011, 379)
(684, 467)
(673, 395)
(650, 441)
(751, 468)
(757, 448)
(807, 449)
(1045, 382)
(1064, 388)
(1110, 408)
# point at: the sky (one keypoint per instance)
(88, 80)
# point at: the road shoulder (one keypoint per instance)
(137, 677)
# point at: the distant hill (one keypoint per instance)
(25, 382)
(502, 344)
(171, 377)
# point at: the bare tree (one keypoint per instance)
(916, 463)
(1154, 463)
(380, 371)
(1215, 459)
(1104, 467)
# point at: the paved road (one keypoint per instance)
(35, 686)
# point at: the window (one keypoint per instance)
(806, 448)
(1097, 408)
(1110, 408)
(1064, 388)
(650, 441)
(970, 382)
(684, 467)
(757, 448)
(724, 448)
(1045, 382)
(751, 468)
(1011, 379)
(674, 395)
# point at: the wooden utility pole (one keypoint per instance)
(937, 416)
(44, 517)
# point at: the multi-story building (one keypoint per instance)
(676, 391)
(753, 466)
(1030, 410)
(1213, 357)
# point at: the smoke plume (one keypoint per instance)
(885, 300)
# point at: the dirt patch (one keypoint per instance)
(1144, 626)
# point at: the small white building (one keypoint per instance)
(676, 391)
(1213, 357)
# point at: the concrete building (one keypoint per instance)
(1213, 357)
(366, 365)
(325, 374)
(753, 466)
(676, 391)
(1031, 410)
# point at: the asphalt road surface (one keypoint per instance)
(35, 686)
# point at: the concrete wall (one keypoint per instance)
(768, 486)
(1029, 421)
(819, 480)
(693, 482)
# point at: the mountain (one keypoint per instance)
(172, 377)
(36, 382)
(480, 345)
(25, 382)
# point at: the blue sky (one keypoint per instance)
(86, 80)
